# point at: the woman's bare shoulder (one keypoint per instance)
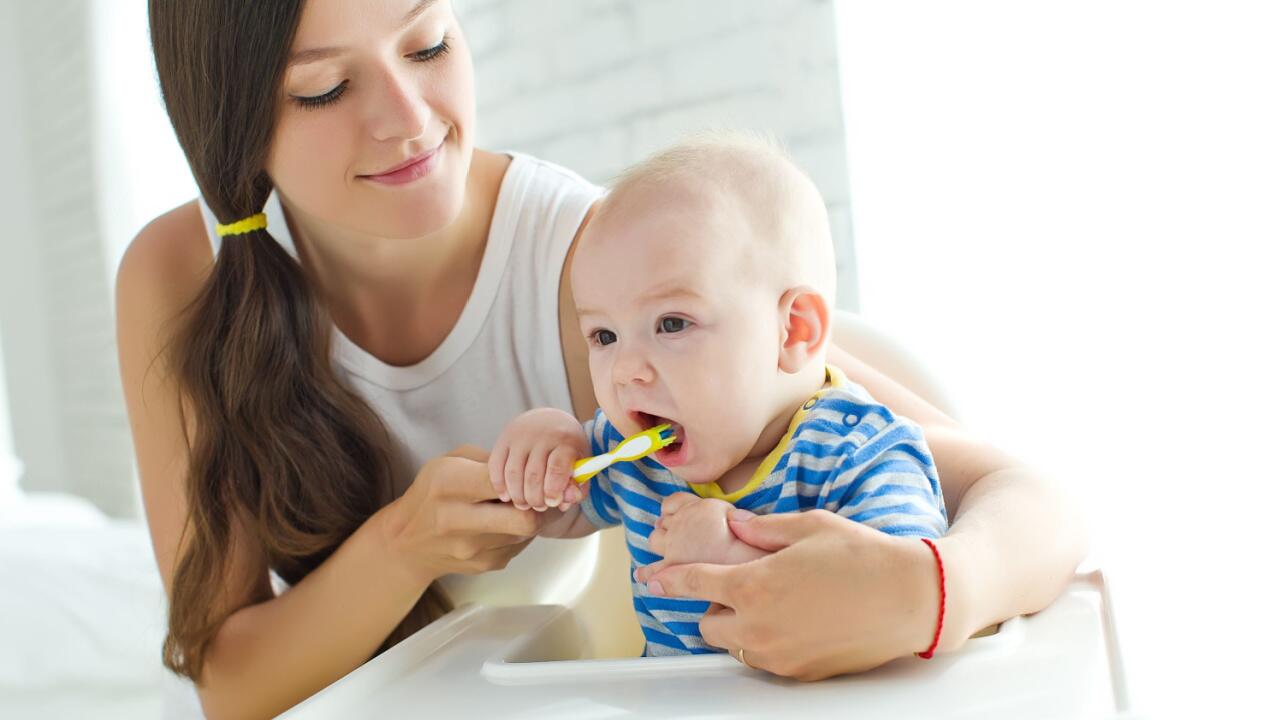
(167, 261)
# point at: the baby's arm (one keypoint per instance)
(532, 464)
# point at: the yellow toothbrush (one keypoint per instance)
(642, 444)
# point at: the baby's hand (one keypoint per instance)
(532, 461)
(696, 530)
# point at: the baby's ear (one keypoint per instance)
(806, 323)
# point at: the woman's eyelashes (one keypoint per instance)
(433, 52)
(328, 98)
(317, 101)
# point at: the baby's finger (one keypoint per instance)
(559, 467)
(575, 493)
(535, 470)
(644, 572)
(497, 471)
(673, 502)
(658, 541)
(513, 474)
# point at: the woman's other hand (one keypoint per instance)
(835, 596)
(450, 520)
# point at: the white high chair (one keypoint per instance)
(554, 635)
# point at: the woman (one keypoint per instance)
(294, 391)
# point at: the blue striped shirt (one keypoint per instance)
(843, 452)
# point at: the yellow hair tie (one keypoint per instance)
(240, 227)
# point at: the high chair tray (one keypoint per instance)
(526, 662)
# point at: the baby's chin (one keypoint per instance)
(701, 471)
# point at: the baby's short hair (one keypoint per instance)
(793, 240)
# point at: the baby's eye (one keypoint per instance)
(604, 337)
(672, 324)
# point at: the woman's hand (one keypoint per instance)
(449, 520)
(835, 596)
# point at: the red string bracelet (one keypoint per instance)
(942, 604)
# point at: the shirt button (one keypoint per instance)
(850, 419)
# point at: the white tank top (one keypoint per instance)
(501, 358)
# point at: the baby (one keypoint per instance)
(704, 285)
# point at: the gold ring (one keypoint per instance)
(743, 659)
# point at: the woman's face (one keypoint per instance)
(371, 86)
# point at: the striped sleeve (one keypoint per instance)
(890, 483)
(600, 506)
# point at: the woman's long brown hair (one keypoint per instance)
(281, 452)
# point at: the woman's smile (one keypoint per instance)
(410, 170)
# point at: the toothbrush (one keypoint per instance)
(642, 444)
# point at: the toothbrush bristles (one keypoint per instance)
(666, 435)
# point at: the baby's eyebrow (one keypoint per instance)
(668, 292)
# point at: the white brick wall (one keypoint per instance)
(598, 84)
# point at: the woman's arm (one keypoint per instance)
(273, 652)
(1016, 537)
(1015, 544)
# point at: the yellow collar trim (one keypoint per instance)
(834, 379)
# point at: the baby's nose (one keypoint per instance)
(631, 367)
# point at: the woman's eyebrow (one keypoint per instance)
(306, 56)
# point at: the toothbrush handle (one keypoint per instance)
(587, 468)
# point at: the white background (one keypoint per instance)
(1071, 210)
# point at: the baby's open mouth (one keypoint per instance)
(673, 453)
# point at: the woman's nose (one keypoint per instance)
(397, 110)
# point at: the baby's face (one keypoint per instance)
(677, 333)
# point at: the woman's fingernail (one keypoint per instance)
(741, 515)
(504, 497)
(655, 588)
(553, 502)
